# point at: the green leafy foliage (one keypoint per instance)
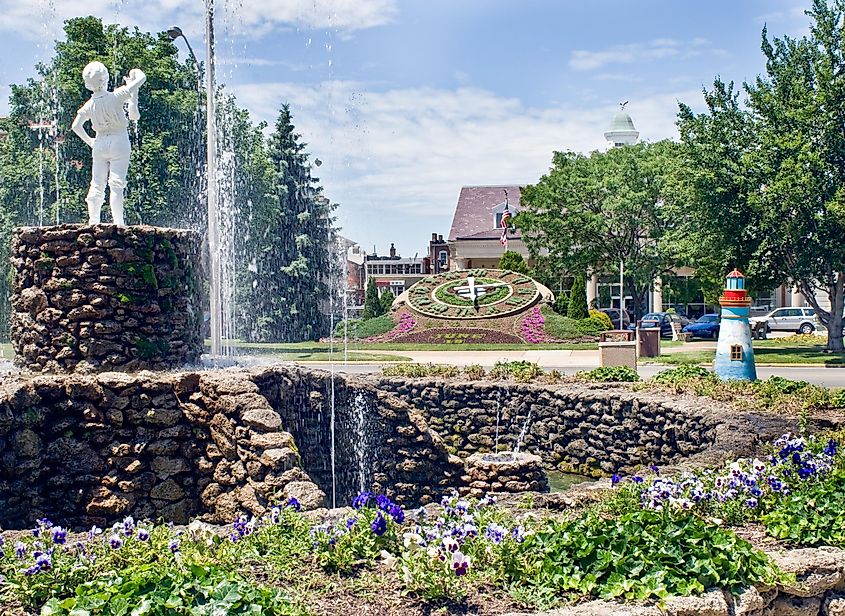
(682, 373)
(609, 198)
(474, 372)
(761, 183)
(197, 590)
(610, 374)
(640, 555)
(811, 515)
(774, 393)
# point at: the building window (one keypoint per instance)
(497, 220)
(443, 256)
(736, 352)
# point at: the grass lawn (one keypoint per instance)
(390, 346)
(308, 351)
(766, 352)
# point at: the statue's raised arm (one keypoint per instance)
(110, 149)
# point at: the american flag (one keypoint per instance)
(504, 224)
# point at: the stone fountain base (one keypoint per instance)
(505, 472)
(89, 298)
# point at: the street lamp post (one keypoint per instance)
(215, 300)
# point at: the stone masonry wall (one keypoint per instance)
(380, 442)
(91, 449)
(105, 297)
(84, 449)
(581, 428)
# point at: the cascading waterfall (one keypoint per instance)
(498, 419)
(362, 434)
(522, 432)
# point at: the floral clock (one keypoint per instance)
(473, 294)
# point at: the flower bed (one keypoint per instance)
(651, 539)
(532, 327)
(458, 336)
(797, 493)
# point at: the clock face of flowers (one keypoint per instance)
(473, 294)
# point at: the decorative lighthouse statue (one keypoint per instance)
(734, 354)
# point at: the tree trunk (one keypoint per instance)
(835, 324)
(833, 320)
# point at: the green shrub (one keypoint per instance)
(610, 374)
(513, 261)
(685, 372)
(564, 328)
(598, 316)
(519, 371)
(561, 305)
(475, 372)
(418, 371)
(592, 326)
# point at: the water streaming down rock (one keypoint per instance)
(521, 437)
(361, 408)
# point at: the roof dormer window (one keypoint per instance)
(499, 210)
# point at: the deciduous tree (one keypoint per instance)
(769, 176)
(592, 211)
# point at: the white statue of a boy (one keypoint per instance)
(110, 150)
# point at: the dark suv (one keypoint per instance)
(664, 320)
(613, 313)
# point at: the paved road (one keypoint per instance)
(829, 377)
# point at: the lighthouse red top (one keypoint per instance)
(734, 288)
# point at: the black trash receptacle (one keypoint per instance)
(648, 340)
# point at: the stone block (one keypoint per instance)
(786, 605)
(265, 420)
(816, 570)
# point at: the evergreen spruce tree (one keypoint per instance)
(372, 303)
(293, 242)
(578, 299)
(386, 301)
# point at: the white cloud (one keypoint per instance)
(658, 49)
(402, 155)
(258, 17)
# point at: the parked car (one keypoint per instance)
(706, 326)
(664, 320)
(801, 320)
(613, 313)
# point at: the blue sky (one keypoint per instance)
(405, 101)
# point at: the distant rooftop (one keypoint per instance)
(474, 212)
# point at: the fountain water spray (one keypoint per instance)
(215, 296)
